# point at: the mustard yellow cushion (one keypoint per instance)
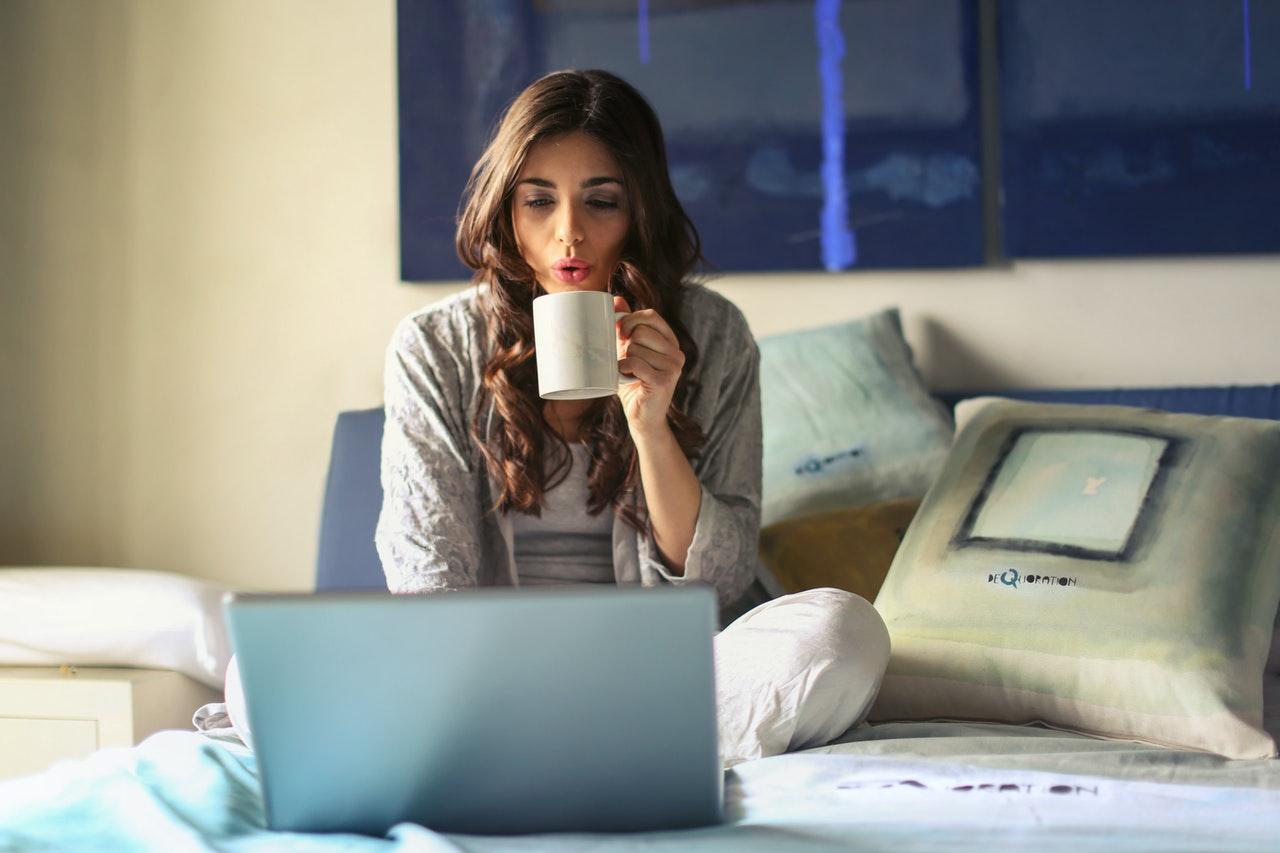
(849, 549)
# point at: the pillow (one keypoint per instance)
(849, 549)
(113, 617)
(796, 672)
(847, 420)
(1246, 401)
(1252, 401)
(1102, 569)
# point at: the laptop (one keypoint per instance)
(489, 711)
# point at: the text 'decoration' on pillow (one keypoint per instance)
(847, 419)
(1103, 569)
(113, 617)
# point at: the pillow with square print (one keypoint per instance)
(1248, 401)
(847, 419)
(1103, 569)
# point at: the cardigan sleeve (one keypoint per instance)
(428, 532)
(725, 547)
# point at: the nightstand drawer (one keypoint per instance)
(47, 713)
(32, 745)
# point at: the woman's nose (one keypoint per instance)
(568, 230)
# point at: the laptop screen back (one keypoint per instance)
(489, 711)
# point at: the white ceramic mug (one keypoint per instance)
(577, 350)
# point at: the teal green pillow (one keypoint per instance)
(847, 420)
(1103, 569)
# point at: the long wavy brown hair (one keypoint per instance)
(660, 254)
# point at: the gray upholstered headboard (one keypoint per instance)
(352, 499)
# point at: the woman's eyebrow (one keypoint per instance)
(586, 185)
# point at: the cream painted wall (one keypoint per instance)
(198, 270)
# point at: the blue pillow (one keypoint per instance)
(847, 419)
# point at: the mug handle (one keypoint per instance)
(623, 379)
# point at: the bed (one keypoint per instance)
(923, 785)
(903, 786)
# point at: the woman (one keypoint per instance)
(487, 484)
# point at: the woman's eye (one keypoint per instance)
(603, 204)
(537, 202)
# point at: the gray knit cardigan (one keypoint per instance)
(438, 529)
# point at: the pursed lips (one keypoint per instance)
(574, 270)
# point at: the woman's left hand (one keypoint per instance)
(649, 351)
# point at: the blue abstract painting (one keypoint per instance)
(1140, 127)
(801, 135)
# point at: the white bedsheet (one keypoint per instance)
(885, 789)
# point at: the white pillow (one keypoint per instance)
(113, 617)
(797, 672)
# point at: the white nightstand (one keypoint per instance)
(51, 713)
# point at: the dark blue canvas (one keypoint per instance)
(804, 135)
(1140, 127)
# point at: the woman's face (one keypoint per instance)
(570, 213)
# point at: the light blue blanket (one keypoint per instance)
(900, 787)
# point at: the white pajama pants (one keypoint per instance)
(796, 672)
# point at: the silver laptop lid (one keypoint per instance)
(489, 711)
